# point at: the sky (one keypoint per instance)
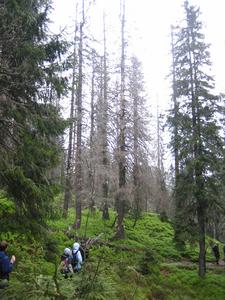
(148, 33)
(148, 24)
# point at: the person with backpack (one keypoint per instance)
(66, 267)
(216, 252)
(77, 257)
(6, 265)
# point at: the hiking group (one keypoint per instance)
(72, 260)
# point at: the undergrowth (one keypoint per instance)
(145, 265)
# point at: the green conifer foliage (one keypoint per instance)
(198, 137)
(30, 121)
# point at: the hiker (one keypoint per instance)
(66, 267)
(216, 252)
(6, 265)
(77, 257)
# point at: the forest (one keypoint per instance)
(84, 158)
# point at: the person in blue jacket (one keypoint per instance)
(6, 265)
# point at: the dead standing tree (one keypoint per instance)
(104, 133)
(78, 157)
(70, 153)
(121, 195)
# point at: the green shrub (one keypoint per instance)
(149, 263)
(7, 206)
(51, 248)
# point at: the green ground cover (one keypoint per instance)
(145, 265)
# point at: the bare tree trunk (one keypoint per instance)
(136, 171)
(178, 201)
(176, 138)
(158, 179)
(69, 173)
(202, 250)
(176, 146)
(91, 180)
(105, 188)
(122, 148)
(78, 160)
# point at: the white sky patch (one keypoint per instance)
(148, 30)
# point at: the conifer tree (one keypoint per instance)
(200, 145)
(138, 134)
(29, 116)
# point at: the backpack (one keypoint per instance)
(82, 252)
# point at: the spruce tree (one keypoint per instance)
(29, 116)
(197, 129)
(138, 133)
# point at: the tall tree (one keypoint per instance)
(104, 130)
(175, 136)
(162, 204)
(121, 195)
(70, 152)
(138, 134)
(200, 146)
(92, 160)
(29, 118)
(78, 158)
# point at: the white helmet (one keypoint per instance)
(76, 246)
(67, 251)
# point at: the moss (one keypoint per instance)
(145, 265)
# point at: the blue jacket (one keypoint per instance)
(5, 266)
(77, 259)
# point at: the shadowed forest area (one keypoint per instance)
(82, 160)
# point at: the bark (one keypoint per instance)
(69, 174)
(78, 160)
(159, 205)
(121, 200)
(136, 171)
(122, 155)
(105, 188)
(178, 203)
(91, 180)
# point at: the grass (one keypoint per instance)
(145, 265)
(186, 284)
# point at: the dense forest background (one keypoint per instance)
(107, 157)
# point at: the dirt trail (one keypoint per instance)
(209, 265)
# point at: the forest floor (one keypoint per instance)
(145, 266)
(188, 263)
